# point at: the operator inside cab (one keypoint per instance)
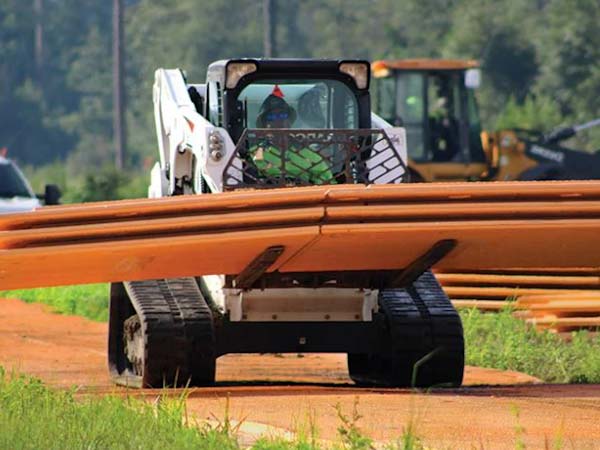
(301, 164)
(443, 126)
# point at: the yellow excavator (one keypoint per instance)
(434, 100)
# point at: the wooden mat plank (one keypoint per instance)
(287, 197)
(464, 211)
(490, 245)
(483, 305)
(540, 281)
(140, 209)
(142, 229)
(222, 253)
(472, 191)
(526, 300)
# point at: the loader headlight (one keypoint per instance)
(236, 70)
(215, 146)
(359, 71)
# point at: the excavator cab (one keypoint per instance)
(434, 101)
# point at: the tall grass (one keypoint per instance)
(88, 300)
(503, 342)
(35, 417)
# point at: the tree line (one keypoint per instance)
(540, 60)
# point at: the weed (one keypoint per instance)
(519, 429)
(503, 342)
(349, 433)
(409, 439)
(307, 431)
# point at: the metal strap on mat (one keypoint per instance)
(266, 158)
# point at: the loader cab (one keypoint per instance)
(434, 101)
(319, 94)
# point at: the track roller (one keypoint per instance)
(426, 340)
(161, 333)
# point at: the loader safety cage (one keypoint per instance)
(267, 158)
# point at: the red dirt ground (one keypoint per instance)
(283, 391)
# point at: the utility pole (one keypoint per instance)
(38, 11)
(269, 25)
(118, 75)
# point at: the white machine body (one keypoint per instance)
(194, 152)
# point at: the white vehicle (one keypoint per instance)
(259, 124)
(16, 194)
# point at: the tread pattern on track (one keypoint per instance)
(423, 326)
(179, 332)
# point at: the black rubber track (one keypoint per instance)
(177, 329)
(425, 335)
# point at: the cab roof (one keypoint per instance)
(288, 66)
(380, 67)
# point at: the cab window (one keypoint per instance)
(385, 99)
(299, 104)
(12, 183)
(410, 115)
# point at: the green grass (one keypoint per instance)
(35, 417)
(88, 300)
(500, 341)
(492, 340)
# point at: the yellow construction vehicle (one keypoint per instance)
(434, 100)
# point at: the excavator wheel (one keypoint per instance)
(161, 333)
(426, 340)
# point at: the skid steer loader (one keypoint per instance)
(276, 123)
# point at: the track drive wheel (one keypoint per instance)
(161, 333)
(426, 346)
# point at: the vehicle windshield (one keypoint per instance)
(299, 104)
(432, 107)
(12, 183)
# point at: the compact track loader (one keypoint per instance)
(275, 123)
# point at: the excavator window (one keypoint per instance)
(475, 146)
(411, 112)
(437, 111)
(443, 101)
(384, 100)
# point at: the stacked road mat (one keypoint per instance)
(387, 228)
(558, 300)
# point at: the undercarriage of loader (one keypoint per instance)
(163, 333)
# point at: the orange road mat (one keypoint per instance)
(322, 228)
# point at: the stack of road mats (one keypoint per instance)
(558, 300)
(320, 228)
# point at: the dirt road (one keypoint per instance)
(284, 391)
